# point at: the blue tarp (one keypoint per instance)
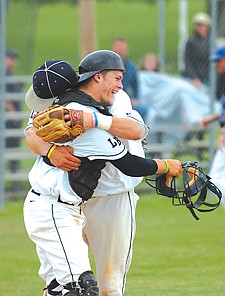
(170, 101)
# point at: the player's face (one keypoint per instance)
(111, 83)
(220, 65)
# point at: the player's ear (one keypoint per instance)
(97, 77)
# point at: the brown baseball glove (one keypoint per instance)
(58, 124)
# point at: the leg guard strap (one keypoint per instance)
(53, 286)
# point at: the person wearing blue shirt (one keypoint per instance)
(217, 170)
(130, 79)
(130, 82)
(219, 59)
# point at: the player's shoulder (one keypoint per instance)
(121, 104)
(122, 96)
(122, 93)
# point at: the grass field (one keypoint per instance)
(42, 30)
(174, 255)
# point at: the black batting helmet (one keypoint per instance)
(98, 61)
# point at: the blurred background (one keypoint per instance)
(155, 35)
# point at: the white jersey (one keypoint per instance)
(93, 144)
(112, 180)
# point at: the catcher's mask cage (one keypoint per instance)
(195, 183)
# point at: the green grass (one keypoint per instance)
(174, 255)
(51, 30)
(19, 263)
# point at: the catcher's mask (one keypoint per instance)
(195, 183)
(99, 61)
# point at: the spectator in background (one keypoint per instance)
(197, 51)
(217, 171)
(12, 105)
(220, 81)
(150, 62)
(130, 80)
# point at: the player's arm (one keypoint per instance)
(136, 166)
(121, 127)
(128, 129)
(111, 149)
(35, 143)
(60, 156)
(125, 128)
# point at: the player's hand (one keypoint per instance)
(175, 169)
(62, 157)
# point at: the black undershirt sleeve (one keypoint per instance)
(135, 166)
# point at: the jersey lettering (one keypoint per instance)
(114, 142)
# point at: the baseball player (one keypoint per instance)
(111, 242)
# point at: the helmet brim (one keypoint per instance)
(86, 76)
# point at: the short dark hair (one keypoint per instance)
(11, 53)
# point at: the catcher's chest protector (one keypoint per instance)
(85, 180)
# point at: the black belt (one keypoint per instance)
(59, 199)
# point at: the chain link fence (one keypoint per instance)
(157, 32)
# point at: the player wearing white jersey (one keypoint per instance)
(111, 184)
(109, 216)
